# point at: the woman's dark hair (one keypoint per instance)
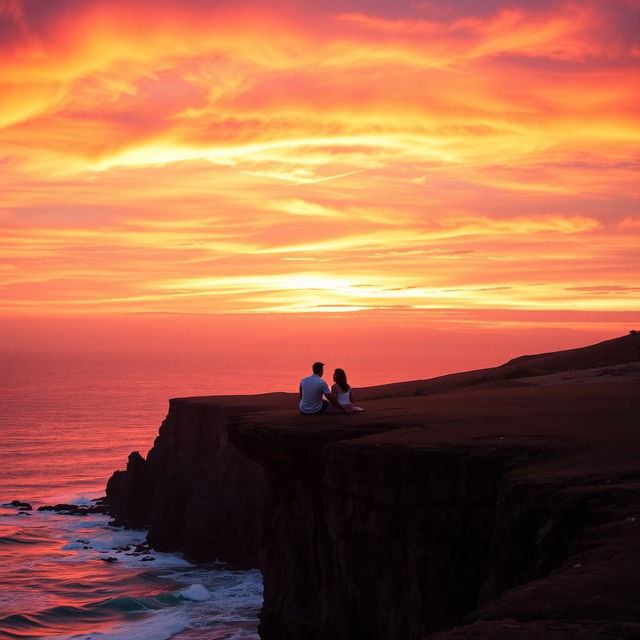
(341, 379)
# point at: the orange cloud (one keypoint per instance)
(415, 160)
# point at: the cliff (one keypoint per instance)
(195, 492)
(479, 505)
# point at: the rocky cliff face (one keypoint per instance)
(487, 524)
(480, 507)
(195, 492)
(381, 541)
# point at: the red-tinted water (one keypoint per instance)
(67, 423)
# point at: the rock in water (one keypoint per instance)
(129, 493)
(24, 506)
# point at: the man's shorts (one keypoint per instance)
(325, 404)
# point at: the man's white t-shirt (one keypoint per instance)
(313, 388)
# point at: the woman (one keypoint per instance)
(343, 392)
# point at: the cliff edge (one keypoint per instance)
(195, 492)
(487, 504)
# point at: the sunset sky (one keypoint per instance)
(187, 157)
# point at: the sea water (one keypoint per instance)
(57, 584)
(67, 422)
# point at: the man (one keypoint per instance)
(312, 388)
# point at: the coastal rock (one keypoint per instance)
(195, 492)
(62, 508)
(98, 509)
(74, 509)
(128, 493)
(24, 506)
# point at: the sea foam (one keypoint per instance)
(196, 592)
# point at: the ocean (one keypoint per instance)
(68, 421)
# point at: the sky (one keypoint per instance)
(438, 162)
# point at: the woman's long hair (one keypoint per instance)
(341, 379)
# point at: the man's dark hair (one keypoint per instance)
(317, 367)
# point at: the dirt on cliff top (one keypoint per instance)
(617, 351)
(591, 414)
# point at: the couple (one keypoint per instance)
(339, 399)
